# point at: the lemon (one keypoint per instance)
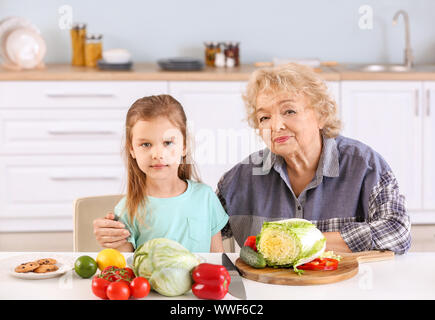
(110, 257)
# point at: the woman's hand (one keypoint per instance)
(110, 233)
(334, 242)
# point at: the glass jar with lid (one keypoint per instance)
(93, 49)
(211, 49)
(232, 53)
(78, 40)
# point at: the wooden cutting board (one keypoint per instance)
(347, 268)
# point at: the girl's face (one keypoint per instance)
(157, 146)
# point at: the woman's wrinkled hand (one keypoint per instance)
(110, 233)
(334, 242)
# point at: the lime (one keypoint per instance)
(85, 266)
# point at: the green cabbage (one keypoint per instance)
(156, 255)
(290, 242)
(171, 282)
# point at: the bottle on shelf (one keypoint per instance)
(78, 40)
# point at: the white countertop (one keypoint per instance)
(409, 276)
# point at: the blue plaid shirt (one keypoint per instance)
(353, 192)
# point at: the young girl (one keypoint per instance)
(165, 198)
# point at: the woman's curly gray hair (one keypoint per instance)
(296, 79)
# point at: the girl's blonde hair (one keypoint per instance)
(148, 108)
(294, 78)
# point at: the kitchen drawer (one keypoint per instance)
(45, 187)
(67, 94)
(66, 131)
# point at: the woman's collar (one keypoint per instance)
(328, 163)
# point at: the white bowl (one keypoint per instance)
(116, 56)
(25, 47)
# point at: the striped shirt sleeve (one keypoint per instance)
(387, 226)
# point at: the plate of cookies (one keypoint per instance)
(39, 267)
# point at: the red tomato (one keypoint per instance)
(110, 273)
(130, 273)
(118, 274)
(118, 291)
(109, 269)
(139, 287)
(250, 242)
(99, 287)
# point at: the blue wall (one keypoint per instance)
(327, 30)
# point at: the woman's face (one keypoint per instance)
(286, 121)
(157, 146)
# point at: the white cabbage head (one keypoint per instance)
(290, 242)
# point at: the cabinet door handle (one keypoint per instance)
(416, 103)
(428, 102)
(72, 132)
(79, 95)
(69, 178)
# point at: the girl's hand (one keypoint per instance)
(110, 233)
(216, 243)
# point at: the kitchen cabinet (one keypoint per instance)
(428, 114)
(60, 140)
(392, 118)
(61, 131)
(76, 94)
(37, 192)
(334, 89)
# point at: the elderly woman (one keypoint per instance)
(310, 171)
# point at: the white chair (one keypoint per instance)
(86, 210)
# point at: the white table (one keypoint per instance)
(410, 276)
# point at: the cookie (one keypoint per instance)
(46, 261)
(27, 267)
(46, 268)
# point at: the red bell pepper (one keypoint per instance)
(320, 264)
(211, 281)
(251, 242)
